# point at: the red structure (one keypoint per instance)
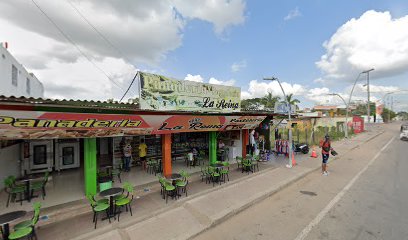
(358, 124)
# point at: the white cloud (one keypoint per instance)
(230, 82)
(375, 40)
(194, 78)
(145, 35)
(260, 89)
(318, 95)
(361, 88)
(293, 14)
(238, 66)
(221, 13)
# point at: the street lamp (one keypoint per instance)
(368, 92)
(289, 111)
(347, 107)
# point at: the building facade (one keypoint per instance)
(15, 79)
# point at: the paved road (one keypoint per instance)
(364, 197)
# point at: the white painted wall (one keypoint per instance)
(9, 162)
(7, 88)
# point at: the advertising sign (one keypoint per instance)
(162, 93)
(48, 125)
(358, 124)
(379, 109)
(283, 108)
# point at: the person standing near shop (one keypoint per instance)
(326, 148)
(143, 153)
(127, 155)
(252, 142)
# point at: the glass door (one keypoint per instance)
(68, 156)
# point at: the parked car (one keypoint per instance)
(404, 127)
(404, 135)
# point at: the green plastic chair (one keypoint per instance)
(13, 190)
(33, 221)
(105, 185)
(203, 173)
(247, 165)
(255, 162)
(98, 208)
(162, 185)
(182, 184)
(169, 190)
(152, 166)
(225, 171)
(21, 233)
(116, 172)
(40, 186)
(125, 202)
(214, 175)
(239, 161)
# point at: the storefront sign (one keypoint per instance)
(162, 93)
(47, 125)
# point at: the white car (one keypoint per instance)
(404, 136)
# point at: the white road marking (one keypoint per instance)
(303, 234)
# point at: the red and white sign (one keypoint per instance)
(358, 124)
(47, 125)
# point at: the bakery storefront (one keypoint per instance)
(74, 140)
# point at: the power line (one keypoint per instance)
(129, 87)
(99, 33)
(104, 38)
(75, 45)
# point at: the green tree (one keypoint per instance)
(251, 104)
(387, 115)
(269, 100)
(292, 101)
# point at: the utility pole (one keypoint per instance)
(368, 92)
(288, 107)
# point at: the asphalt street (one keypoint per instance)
(364, 197)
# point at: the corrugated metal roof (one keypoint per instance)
(71, 103)
(66, 102)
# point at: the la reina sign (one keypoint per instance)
(162, 93)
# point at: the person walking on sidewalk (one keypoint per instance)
(326, 148)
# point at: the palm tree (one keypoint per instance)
(269, 100)
(292, 101)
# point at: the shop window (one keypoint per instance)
(40, 155)
(28, 86)
(14, 75)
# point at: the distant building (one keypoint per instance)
(332, 110)
(15, 80)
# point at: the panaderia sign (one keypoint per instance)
(162, 93)
(48, 125)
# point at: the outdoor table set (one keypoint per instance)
(27, 182)
(111, 193)
(173, 183)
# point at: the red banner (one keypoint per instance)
(46, 125)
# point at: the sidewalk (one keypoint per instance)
(205, 206)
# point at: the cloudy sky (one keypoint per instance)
(314, 47)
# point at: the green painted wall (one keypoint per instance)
(213, 147)
(90, 165)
